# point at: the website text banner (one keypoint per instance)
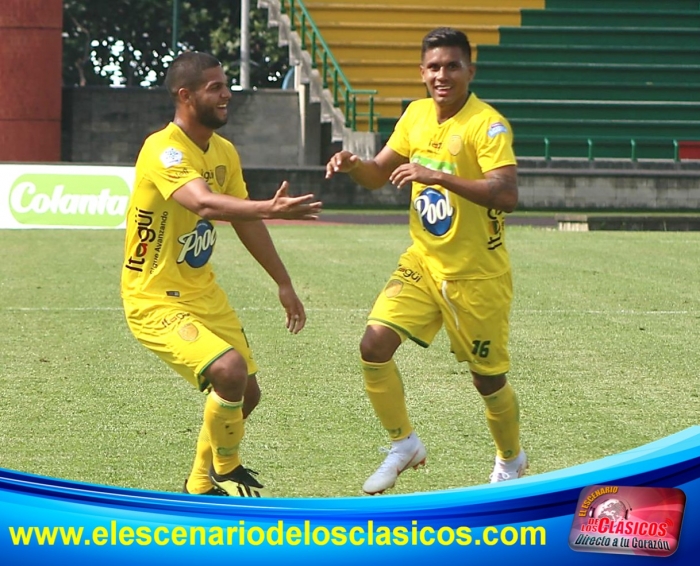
(64, 196)
(526, 521)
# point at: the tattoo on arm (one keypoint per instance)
(500, 183)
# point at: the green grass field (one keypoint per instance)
(604, 343)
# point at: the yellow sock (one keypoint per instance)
(385, 391)
(199, 481)
(223, 421)
(503, 417)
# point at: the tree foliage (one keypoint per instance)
(130, 42)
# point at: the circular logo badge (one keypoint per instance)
(188, 332)
(393, 288)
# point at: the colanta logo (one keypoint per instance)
(69, 200)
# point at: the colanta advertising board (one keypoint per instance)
(64, 196)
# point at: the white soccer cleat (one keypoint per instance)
(505, 470)
(409, 453)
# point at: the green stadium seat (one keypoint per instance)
(594, 78)
(598, 79)
(597, 147)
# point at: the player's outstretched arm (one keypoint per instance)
(370, 173)
(256, 238)
(200, 199)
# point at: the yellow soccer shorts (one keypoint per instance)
(474, 312)
(189, 336)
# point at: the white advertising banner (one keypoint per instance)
(64, 196)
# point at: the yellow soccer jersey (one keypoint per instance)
(457, 238)
(167, 247)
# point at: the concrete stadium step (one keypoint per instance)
(647, 114)
(622, 146)
(582, 35)
(328, 12)
(573, 90)
(385, 106)
(628, 5)
(357, 69)
(661, 111)
(400, 33)
(583, 72)
(394, 88)
(364, 50)
(386, 109)
(613, 18)
(596, 110)
(675, 129)
(640, 55)
(406, 52)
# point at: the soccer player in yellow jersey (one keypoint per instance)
(455, 152)
(188, 177)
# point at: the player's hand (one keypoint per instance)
(296, 317)
(341, 162)
(410, 172)
(303, 207)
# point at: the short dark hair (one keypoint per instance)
(447, 37)
(186, 71)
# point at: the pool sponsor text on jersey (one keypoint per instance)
(197, 245)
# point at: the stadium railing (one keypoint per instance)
(619, 147)
(332, 76)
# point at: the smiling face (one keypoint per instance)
(210, 100)
(447, 72)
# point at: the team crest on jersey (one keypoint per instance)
(454, 145)
(497, 128)
(197, 245)
(170, 157)
(393, 288)
(434, 210)
(188, 332)
(220, 174)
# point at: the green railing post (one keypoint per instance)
(313, 50)
(546, 149)
(590, 149)
(676, 151)
(633, 155)
(335, 86)
(325, 70)
(292, 14)
(371, 114)
(353, 123)
(347, 108)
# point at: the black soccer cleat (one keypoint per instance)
(238, 483)
(215, 490)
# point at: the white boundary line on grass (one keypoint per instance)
(270, 309)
